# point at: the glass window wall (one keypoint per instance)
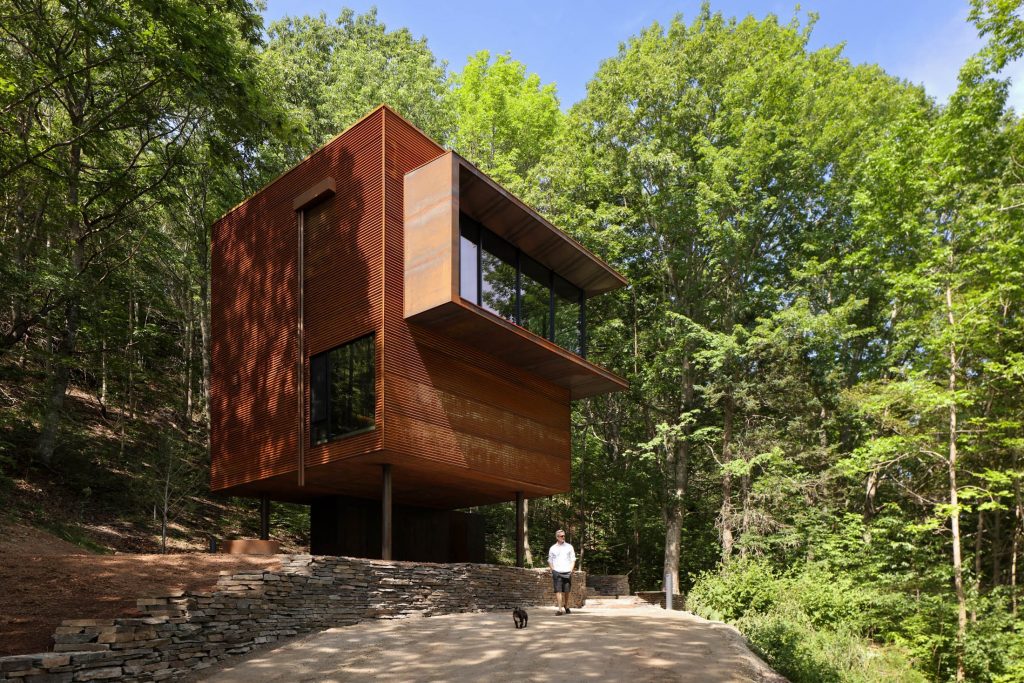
(502, 279)
(568, 303)
(536, 297)
(499, 279)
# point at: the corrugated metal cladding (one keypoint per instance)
(447, 402)
(452, 414)
(344, 283)
(253, 402)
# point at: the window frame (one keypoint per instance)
(478, 234)
(320, 369)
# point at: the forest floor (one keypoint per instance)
(44, 579)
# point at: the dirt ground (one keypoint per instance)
(44, 579)
(597, 643)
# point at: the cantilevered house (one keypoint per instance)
(395, 337)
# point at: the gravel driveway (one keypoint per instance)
(609, 641)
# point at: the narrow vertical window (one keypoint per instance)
(469, 261)
(343, 390)
(318, 398)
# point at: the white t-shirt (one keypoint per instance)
(562, 557)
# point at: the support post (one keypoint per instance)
(264, 517)
(669, 589)
(385, 516)
(520, 529)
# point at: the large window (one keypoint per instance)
(342, 390)
(502, 279)
(498, 276)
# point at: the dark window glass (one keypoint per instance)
(536, 302)
(342, 390)
(318, 398)
(498, 276)
(469, 247)
(567, 316)
(502, 279)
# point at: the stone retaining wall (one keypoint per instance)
(608, 584)
(183, 632)
(658, 598)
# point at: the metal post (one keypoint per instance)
(264, 517)
(520, 529)
(385, 515)
(668, 591)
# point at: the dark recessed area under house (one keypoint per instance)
(396, 337)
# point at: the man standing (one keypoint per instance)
(562, 560)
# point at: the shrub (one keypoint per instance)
(787, 639)
(809, 624)
(741, 587)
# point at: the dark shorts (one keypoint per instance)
(562, 581)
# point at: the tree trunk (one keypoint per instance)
(527, 555)
(996, 548)
(978, 538)
(1018, 529)
(745, 508)
(61, 367)
(204, 323)
(103, 372)
(679, 469)
(188, 361)
(673, 533)
(725, 513)
(958, 574)
(870, 492)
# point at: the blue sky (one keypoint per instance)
(923, 41)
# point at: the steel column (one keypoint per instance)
(264, 517)
(385, 516)
(520, 529)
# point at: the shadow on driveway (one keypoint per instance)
(632, 644)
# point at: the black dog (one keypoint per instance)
(520, 617)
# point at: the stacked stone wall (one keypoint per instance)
(608, 584)
(658, 598)
(181, 632)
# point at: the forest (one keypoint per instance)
(823, 439)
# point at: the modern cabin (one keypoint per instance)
(396, 337)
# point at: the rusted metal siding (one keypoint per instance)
(450, 404)
(253, 407)
(459, 425)
(344, 284)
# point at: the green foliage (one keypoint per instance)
(796, 648)
(331, 73)
(505, 120)
(823, 333)
(810, 624)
